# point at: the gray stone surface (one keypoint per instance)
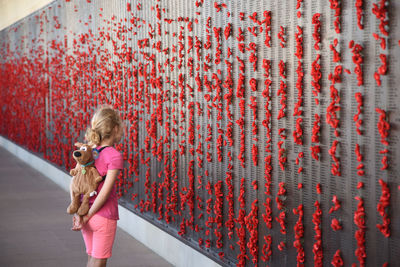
(35, 228)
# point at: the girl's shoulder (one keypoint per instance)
(111, 151)
(112, 157)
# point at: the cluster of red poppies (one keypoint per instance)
(267, 250)
(335, 224)
(335, 170)
(317, 247)
(336, 54)
(316, 87)
(382, 40)
(357, 58)
(166, 184)
(254, 150)
(282, 157)
(359, 7)
(240, 94)
(356, 117)
(173, 201)
(229, 198)
(358, 122)
(382, 70)
(359, 220)
(298, 132)
(317, 30)
(253, 30)
(253, 59)
(209, 221)
(228, 84)
(335, 5)
(383, 128)
(218, 47)
(281, 196)
(241, 231)
(267, 217)
(298, 235)
(251, 221)
(145, 205)
(315, 149)
(218, 211)
(282, 90)
(360, 166)
(381, 13)
(334, 107)
(298, 6)
(282, 36)
(190, 195)
(380, 10)
(219, 7)
(267, 23)
(382, 208)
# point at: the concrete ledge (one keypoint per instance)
(165, 245)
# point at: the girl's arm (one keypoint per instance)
(103, 195)
(70, 189)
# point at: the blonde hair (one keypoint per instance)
(103, 123)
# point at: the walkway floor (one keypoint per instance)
(35, 228)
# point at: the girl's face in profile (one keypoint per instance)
(118, 133)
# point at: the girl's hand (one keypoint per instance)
(77, 223)
(85, 219)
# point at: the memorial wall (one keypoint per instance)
(257, 132)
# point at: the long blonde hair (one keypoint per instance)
(103, 122)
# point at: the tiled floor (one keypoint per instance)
(35, 228)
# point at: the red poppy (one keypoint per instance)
(337, 260)
(336, 225)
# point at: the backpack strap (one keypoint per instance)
(101, 149)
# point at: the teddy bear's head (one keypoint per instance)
(84, 155)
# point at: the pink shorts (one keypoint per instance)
(99, 235)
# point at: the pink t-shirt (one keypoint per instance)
(109, 159)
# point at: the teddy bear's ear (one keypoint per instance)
(77, 144)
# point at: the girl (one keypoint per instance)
(98, 227)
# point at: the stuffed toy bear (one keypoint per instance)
(85, 179)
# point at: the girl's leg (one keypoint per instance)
(89, 259)
(87, 234)
(98, 262)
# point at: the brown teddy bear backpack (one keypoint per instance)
(85, 179)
